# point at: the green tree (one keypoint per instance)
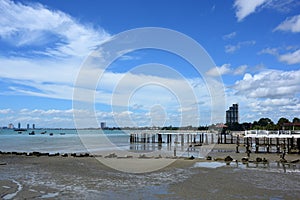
(282, 120)
(263, 122)
(296, 120)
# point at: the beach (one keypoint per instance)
(57, 177)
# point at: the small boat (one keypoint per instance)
(43, 132)
(32, 133)
(51, 134)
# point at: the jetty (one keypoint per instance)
(280, 141)
(176, 137)
(256, 141)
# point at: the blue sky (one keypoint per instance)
(254, 45)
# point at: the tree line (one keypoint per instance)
(263, 124)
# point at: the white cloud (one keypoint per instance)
(240, 70)
(219, 71)
(245, 8)
(233, 48)
(283, 6)
(268, 93)
(290, 58)
(44, 32)
(271, 51)
(53, 33)
(35, 25)
(291, 24)
(229, 36)
(273, 84)
(5, 111)
(226, 69)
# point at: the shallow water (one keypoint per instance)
(203, 180)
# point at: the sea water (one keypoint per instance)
(57, 140)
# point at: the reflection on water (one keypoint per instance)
(267, 166)
(209, 164)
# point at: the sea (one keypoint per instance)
(85, 141)
(58, 140)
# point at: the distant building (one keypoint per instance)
(232, 114)
(10, 126)
(103, 125)
(33, 126)
(27, 126)
(19, 125)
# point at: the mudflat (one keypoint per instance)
(31, 177)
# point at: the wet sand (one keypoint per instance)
(31, 177)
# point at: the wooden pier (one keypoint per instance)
(254, 141)
(280, 141)
(182, 138)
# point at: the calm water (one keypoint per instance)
(53, 140)
(77, 141)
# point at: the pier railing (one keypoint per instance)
(272, 134)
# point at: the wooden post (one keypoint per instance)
(269, 145)
(167, 138)
(288, 145)
(212, 138)
(284, 143)
(147, 138)
(277, 145)
(256, 145)
(298, 145)
(153, 138)
(159, 138)
(131, 138)
(182, 139)
(237, 144)
(231, 139)
(247, 147)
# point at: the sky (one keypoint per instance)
(45, 45)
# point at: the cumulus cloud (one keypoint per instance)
(268, 93)
(291, 24)
(245, 8)
(290, 58)
(273, 84)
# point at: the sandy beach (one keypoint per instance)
(57, 177)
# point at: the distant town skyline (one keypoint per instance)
(255, 46)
